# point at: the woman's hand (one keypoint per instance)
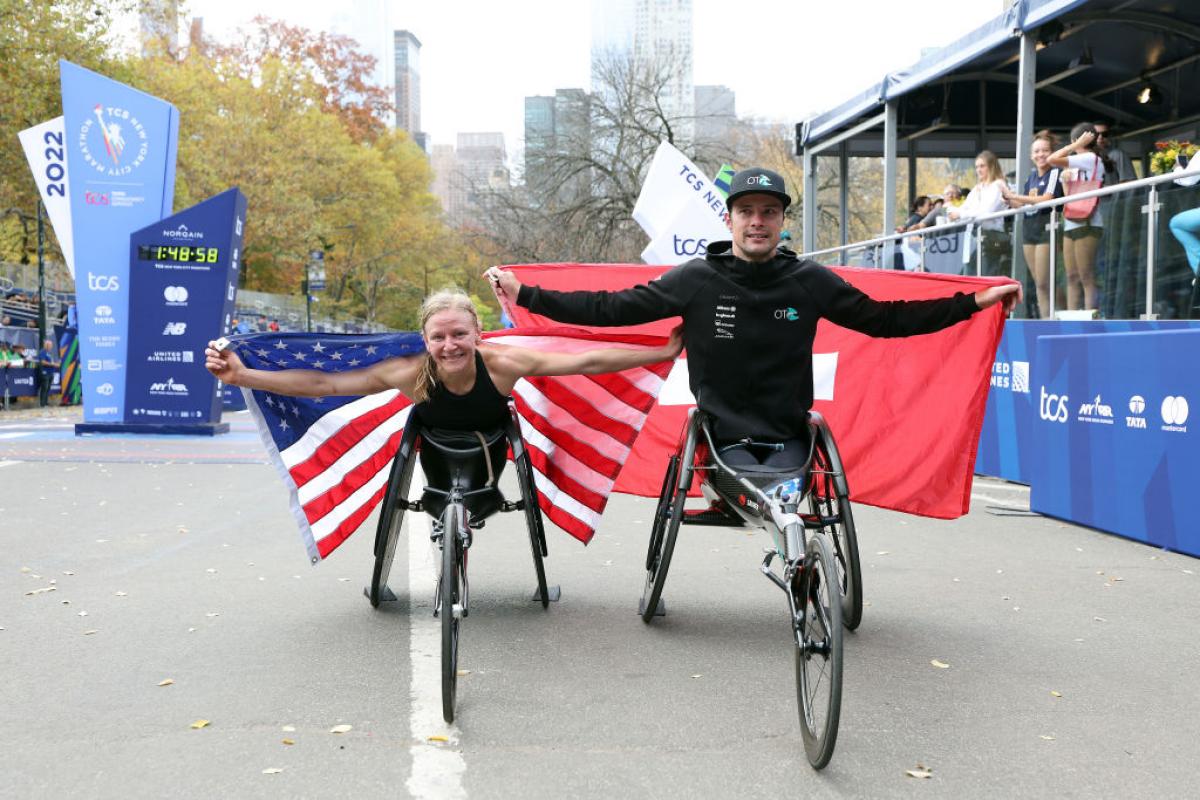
(1084, 141)
(224, 364)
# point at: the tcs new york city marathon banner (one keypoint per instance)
(120, 147)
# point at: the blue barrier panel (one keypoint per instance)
(1117, 447)
(120, 148)
(232, 398)
(1006, 445)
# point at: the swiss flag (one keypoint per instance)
(906, 413)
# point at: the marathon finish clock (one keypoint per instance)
(183, 282)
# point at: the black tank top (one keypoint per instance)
(481, 409)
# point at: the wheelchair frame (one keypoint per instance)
(453, 530)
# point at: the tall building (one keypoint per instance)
(461, 173)
(715, 112)
(407, 48)
(657, 32)
(552, 124)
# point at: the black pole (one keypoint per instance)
(307, 305)
(41, 256)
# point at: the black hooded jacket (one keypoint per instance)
(749, 329)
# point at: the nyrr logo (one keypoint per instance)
(790, 314)
(176, 295)
(1137, 406)
(114, 142)
(1096, 411)
(175, 329)
(103, 283)
(169, 387)
(1174, 413)
(1053, 407)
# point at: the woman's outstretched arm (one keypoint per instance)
(394, 373)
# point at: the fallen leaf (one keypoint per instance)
(83, 613)
(121, 594)
(200, 723)
(462, 672)
(999, 572)
(940, 664)
(67, 572)
(210, 571)
(344, 580)
(90, 632)
(165, 682)
(213, 614)
(43, 589)
(1099, 619)
(1188, 572)
(289, 728)
(288, 741)
(698, 675)
(956, 580)
(26, 569)
(1055, 694)
(65, 602)
(918, 773)
(191, 630)
(272, 770)
(341, 729)
(883, 552)
(436, 739)
(1047, 738)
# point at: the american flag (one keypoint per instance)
(334, 454)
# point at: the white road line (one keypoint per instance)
(437, 767)
(15, 435)
(8, 463)
(1003, 502)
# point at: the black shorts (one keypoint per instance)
(1034, 229)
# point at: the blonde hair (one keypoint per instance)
(1049, 137)
(994, 173)
(448, 299)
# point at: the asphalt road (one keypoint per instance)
(1072, 655)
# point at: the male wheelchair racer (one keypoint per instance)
(462, 470)
(812, 568)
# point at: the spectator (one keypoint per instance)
(6, 353)
(953, 195)
(917, 212)
(984, 199)
(1117, 166)
(1043, 184)
(274, 326)
(48, 364)
(1081, 238)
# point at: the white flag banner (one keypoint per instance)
(45, 150)
(678, 204)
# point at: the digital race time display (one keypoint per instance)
(181, 254)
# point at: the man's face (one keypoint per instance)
(756, 220)
(1103, 137)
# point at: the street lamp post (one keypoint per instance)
(41, 257)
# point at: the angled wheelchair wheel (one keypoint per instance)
(830, 503)
(817, 634)
(391, 519)
(533, 522)
(450, 605)
(667, 516)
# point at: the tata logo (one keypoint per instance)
(175, 329)
(790, 314)
(169, 386)
(103, 283)
(758, 180)
(104, 389)
(1096, 411)
(690, 247)
(96, 199)
(1174, 413)
(104, 316)
(176, 295)
(1053, 407)
(1137, 406)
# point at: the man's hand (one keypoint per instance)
(504, 283)
(224, 364)
(1008, 293)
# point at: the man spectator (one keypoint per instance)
(1118, 168)
(48, 364)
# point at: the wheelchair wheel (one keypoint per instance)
(667, 517)
(817, 629)
(533, 521)
(831, 504)
(449, 596)
(391, 519)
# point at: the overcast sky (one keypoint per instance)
(784, 59)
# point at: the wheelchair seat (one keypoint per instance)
(467, 460)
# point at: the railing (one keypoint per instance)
(1137, 274)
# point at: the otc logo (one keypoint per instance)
(758, 180)
(104, 389)
(169, 387)
(790, 314)
(1174, 413)
(104, 316)
(1137, 406)
(1053, 407)
(175, 329)
(1096, 411)
(113, 142)
(1020, 377)
(103, 283)
(182, 232)
(176, 295)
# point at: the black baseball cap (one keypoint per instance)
(757, 180)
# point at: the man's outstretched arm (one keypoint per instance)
(660, 298)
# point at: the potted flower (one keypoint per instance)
(1166, 154)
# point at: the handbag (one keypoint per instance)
(1080, 210)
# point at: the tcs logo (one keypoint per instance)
(1053, 407)
(690, 247)
(103, 283)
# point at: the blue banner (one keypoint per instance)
(120, 151)
(1007, 445)
(183, 283)
(1118, 444)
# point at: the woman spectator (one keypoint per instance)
(1043, 184)
(1081, 238)
(916, 214)
(986, 198)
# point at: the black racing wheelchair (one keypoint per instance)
(820, 574)
(461, 469)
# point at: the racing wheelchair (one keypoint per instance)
(820, 574)
(461, 469)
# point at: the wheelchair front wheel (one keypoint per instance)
(391, 520)
(832, 508)
(533, 521)
(667, 517)
(817, 634)
(450, 596)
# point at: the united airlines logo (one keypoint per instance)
(113, 141)
(1020, 377)
(1096, 411)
